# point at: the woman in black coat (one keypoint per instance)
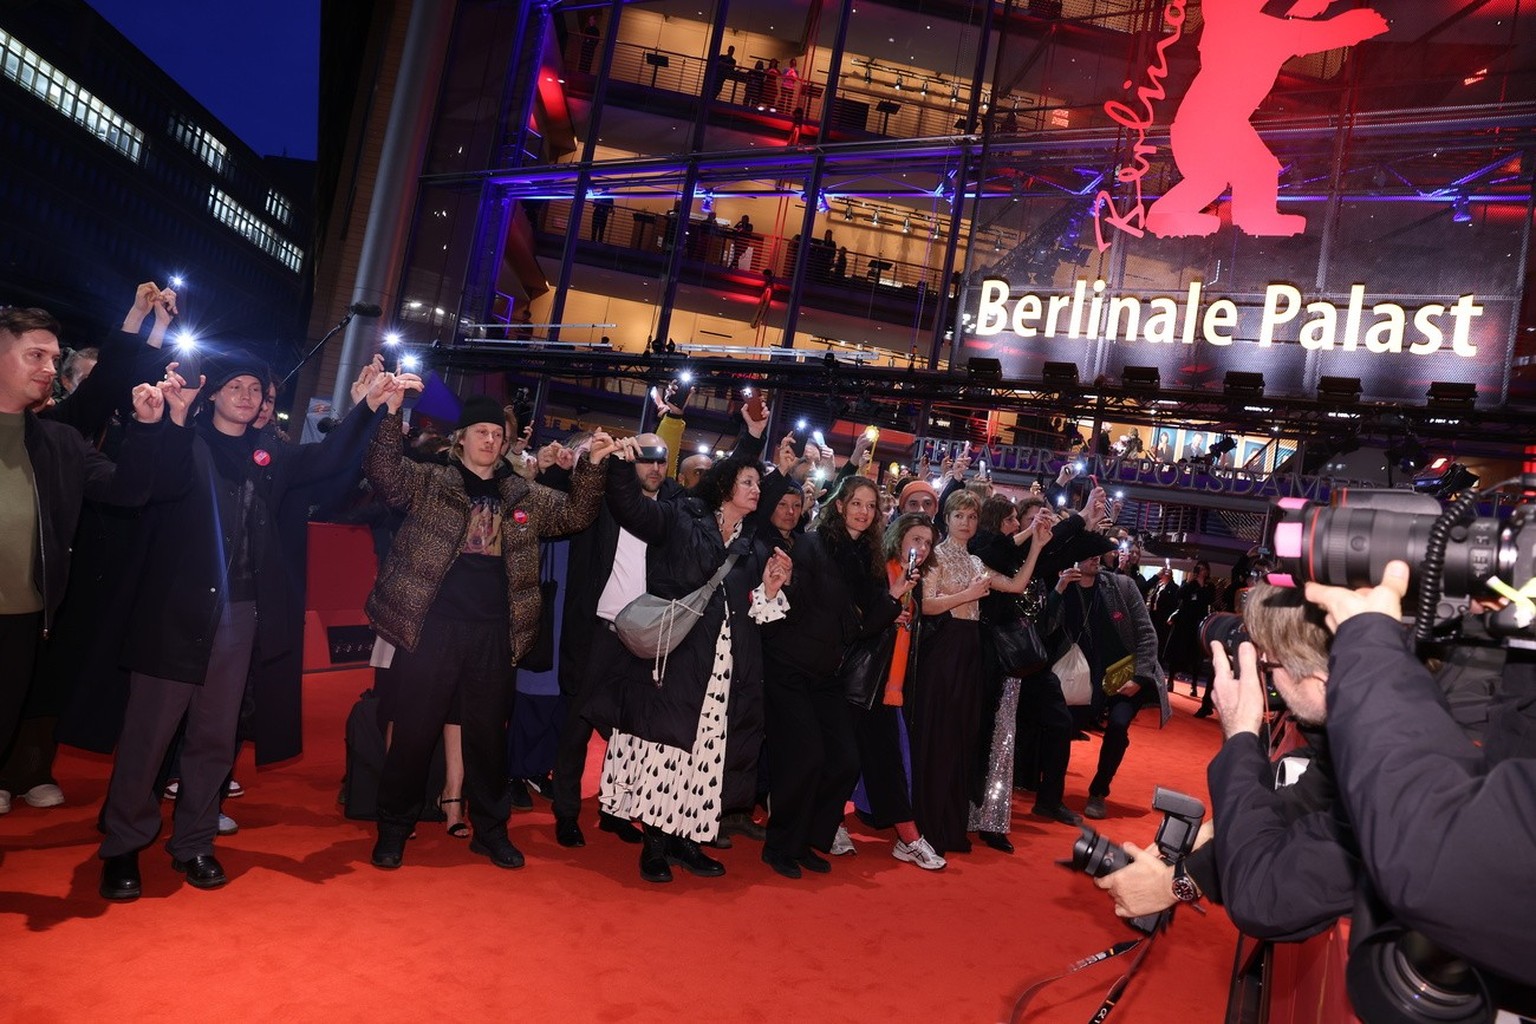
(838, 595)
(687, 727)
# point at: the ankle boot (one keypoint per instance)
(686, 853)
(653, 856)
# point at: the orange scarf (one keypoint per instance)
(895, 570)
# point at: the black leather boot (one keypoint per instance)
(653, 856)
(686, 853)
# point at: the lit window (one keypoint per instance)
(279, 207)
(253, 229)
(27, 69)
(208, 149)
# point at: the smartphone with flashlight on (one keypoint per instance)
(754, 403)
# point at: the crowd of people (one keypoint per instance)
(850, 646)
(923, 646)
(847, 650)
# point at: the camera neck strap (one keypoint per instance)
(1140, 946)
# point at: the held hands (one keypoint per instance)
(1144, 886)
(148, 403)
(388, 389)
(1342, 603)
(1239, 701)
(178, 397)
(600, 447)
(776, 573)
(549, 455)
(365, 377)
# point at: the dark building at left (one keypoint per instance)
(112, 174)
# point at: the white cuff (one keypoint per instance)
(764, 610)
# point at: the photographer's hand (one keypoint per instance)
(1144, 886)
(1342, 603)
(1239, 701)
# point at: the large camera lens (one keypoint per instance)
(1350, 546)
(1225, 628)
(1094, 855)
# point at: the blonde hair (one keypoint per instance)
(961, 499)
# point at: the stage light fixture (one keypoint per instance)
(1141, 378)
(1445, 477)
(984, 368)
(1059, 375)
(1242, 384)
(1228, 443)
(1338, 390)
(1445, 395)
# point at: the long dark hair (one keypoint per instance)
(833, 530)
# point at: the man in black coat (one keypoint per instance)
(209, 559)
(46, 471)
(606, 570)
(1445, 834)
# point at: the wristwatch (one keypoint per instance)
(1184, 888)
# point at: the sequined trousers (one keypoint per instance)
(996, 811)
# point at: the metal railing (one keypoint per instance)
(712, 244)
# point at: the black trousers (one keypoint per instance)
(131, 816)
(1046, 719)
(814, 755)
(1117, 739)
(20, 636)
(464, 661)
(878, 732)
(575, 731)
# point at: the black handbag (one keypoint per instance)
(866, 665)
(541, 656)
(1020, 651)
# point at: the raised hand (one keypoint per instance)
(365, 376)
(776, 572)
(756, 426)
(148, 403)
(178, 397)
(601, 446)
(520, 445)
(1342, 603)
(784, 458)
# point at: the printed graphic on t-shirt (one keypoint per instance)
(484, 536)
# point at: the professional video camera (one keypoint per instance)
(1096, 855)
(1453, 555)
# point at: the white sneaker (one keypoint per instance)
(172, 790)
(842, 843)
(5, 802)
(234, 789)
(919, 853)
(46, 795)
(227, 826)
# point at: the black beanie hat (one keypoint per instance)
(480, 409)
(237, 364)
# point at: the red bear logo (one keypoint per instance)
(1214, 145)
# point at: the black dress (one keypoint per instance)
(944, 705)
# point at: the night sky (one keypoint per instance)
(255, 66)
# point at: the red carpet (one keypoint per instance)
(307, 930)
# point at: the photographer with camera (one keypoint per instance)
(1283, 862)
(1445, 834)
